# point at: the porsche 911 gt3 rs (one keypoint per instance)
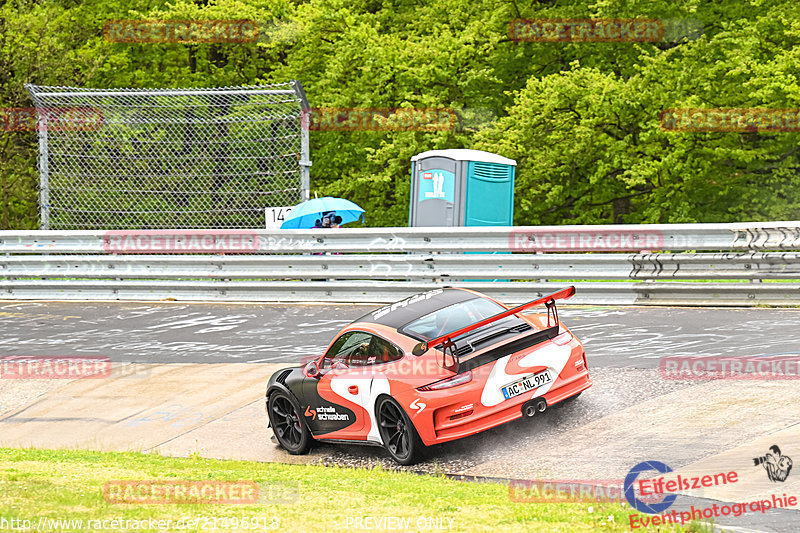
(439, 366)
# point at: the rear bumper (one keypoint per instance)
(472, 407)
(506, 412)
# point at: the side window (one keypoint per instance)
(347, 348)
(357, 348)
(382, 351)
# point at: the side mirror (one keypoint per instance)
(311, 370)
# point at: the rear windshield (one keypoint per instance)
(452, 318)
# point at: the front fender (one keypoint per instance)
(285, 383)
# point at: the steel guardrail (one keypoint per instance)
(655, 266)
(683, 264)
(635, 237)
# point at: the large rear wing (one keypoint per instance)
(447, 340)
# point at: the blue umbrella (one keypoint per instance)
(306, 214)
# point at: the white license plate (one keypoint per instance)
(526, 384)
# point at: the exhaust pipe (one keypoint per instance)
(531, 407)
(541, 405)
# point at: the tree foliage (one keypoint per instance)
(581, 119)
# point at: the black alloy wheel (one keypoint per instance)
(290, 431)
(399, 436)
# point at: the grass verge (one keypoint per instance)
(51, 485)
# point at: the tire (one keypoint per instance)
(399, 436)
(288, 426)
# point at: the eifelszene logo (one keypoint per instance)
(638, 504)
(777, 465)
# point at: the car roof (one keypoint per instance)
(400, 313)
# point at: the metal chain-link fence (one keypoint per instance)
(158, 158)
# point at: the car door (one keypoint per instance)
(335, 401)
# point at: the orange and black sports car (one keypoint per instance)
(435, 367)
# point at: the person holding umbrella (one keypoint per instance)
(312, 213)
(329, 220)
(324, 212)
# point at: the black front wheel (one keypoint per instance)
(289, 429)
(400, 437)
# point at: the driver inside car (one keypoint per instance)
(360, 356)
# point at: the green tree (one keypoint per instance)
(591, 149)
(582, 119)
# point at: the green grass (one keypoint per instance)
(64, 485)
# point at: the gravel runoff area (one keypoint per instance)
(17, 393)
(614, 389)
(628, 415)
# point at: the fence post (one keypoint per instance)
(43, 162)
(305, 151)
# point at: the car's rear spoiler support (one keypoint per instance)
(449, 347)
(552, 311)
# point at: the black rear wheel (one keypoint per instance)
(289, 429)
(400, 437)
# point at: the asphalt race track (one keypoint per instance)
(273, 333)
(200, 371)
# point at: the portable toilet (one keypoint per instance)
(460, 187)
